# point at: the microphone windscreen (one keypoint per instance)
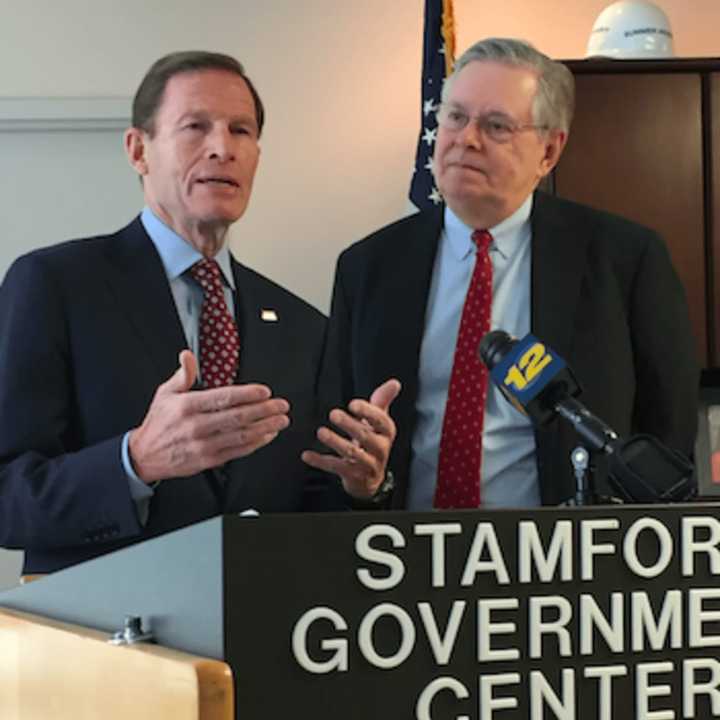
(494, 346)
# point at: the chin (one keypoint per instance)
(222, 215)
(467, 196)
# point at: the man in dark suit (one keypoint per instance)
(147, 379)
(412, 301)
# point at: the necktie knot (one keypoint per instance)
(482, 239)
(207, 273)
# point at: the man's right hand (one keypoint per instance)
(185, 432)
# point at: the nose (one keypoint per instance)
(221, 143)
(471, 135)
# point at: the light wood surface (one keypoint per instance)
(25, 579)
(56, 671)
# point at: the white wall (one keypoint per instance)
(342, 116)
(561, 28)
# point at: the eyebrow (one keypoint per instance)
(193, 115)
(204, 115)
(459, 106)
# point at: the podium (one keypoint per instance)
(602, 612)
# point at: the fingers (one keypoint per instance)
(189, 365)
(384, 395)
(350, 450)
(269, 416)
(361, 458)
(188, 458)
(185, 432)
(360, 470)
(184, 377)
(374, 413)
(329, 463)
(372, 438)
(238, 451)
(217, 399)
(213, 399)
(222, 447)
(358, 478)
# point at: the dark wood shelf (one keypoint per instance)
(645, 144)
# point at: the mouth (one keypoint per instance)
(218, 181)
(464, 166)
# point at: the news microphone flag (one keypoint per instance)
(438, 59)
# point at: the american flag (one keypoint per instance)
(438, 57)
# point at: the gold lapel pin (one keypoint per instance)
(268, 315)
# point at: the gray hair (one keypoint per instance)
(555, 99)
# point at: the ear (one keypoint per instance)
(136, 149)
(554, 144)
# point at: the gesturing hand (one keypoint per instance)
(185, 432)
(361, 460)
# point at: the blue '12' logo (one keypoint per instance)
(526, 369)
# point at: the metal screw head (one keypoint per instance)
(131, 633)
(133, 625)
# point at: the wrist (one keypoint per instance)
(133, 458)
(381, 496)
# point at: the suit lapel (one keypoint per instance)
(559, 255)
(140, 285)
(259, 336)
(409, 277)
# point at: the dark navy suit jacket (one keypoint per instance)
(88, 330)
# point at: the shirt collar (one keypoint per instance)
(507, 235)
(176, 253)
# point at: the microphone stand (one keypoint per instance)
(584, 470)
(598, 437)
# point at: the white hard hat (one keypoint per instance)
(631, 29)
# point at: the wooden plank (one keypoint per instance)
(56, 670)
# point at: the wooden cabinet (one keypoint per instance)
(645, 144)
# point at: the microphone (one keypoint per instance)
(538, 382)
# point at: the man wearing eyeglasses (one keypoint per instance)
(413, 300)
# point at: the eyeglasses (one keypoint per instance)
(497, 127)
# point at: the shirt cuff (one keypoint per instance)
(140, 492)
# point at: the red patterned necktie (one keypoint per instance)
(458, 478)
(218, 334)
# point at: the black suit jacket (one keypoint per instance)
(88, 330)
(604, 296)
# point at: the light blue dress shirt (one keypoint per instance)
(177, 256)
(509, 467)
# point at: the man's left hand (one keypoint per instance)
(361, 458)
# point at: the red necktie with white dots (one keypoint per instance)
(218, 334)
(458, 477)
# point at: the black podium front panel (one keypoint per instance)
(610, 612)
